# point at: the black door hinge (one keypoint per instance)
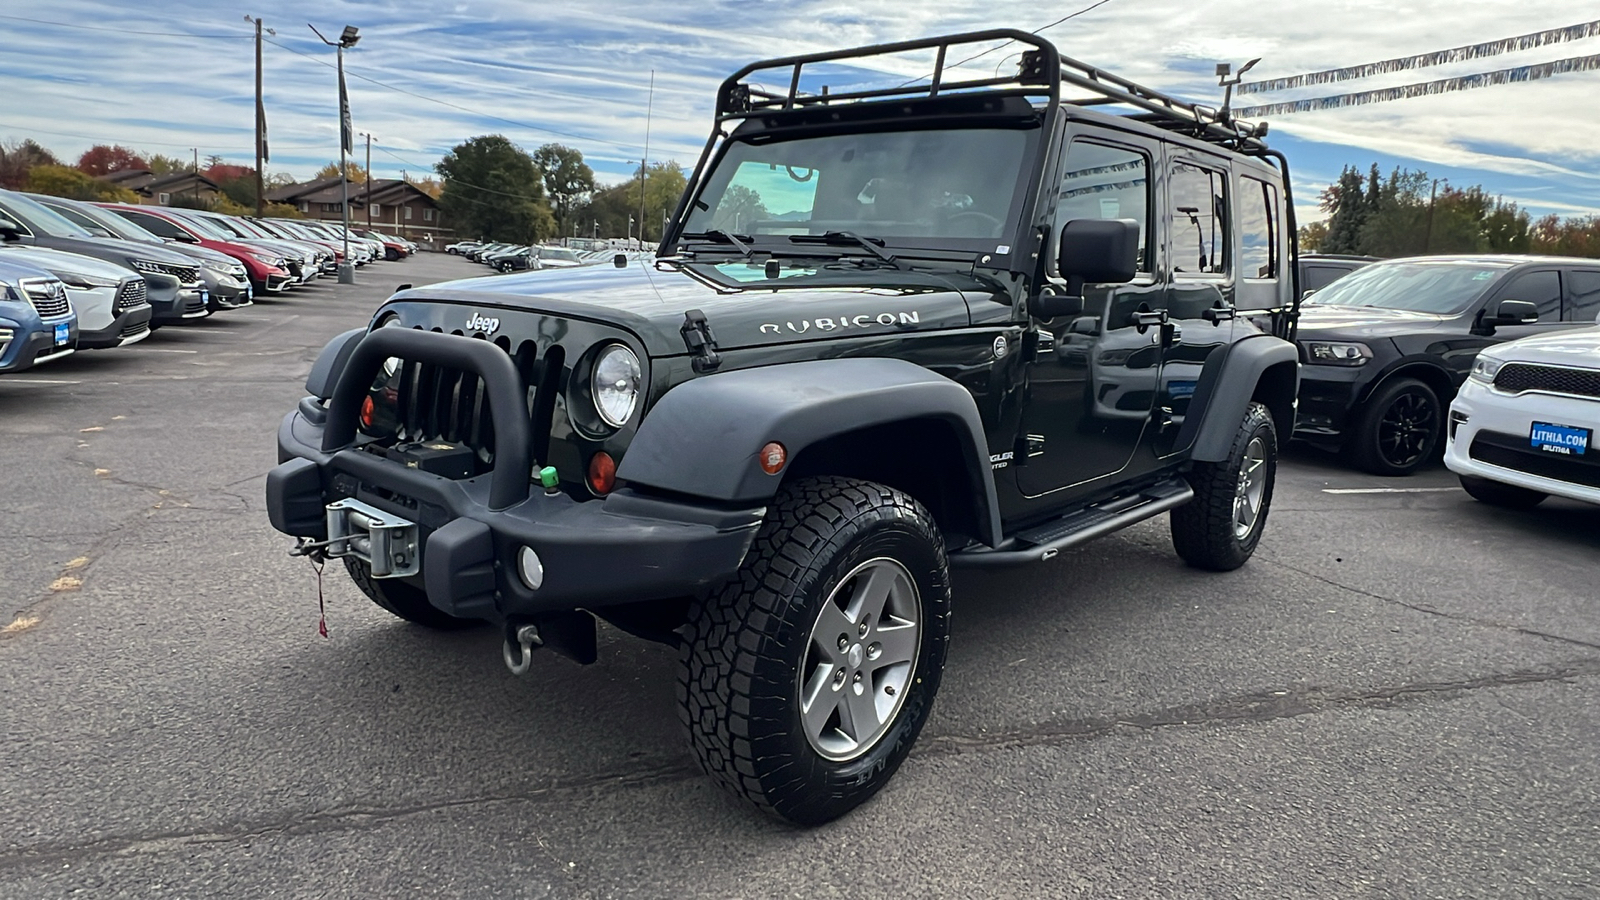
(701, 342)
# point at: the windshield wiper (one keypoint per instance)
(837, 238)
(717, 234)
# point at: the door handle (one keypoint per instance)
(1216, 314)
(1144, 318)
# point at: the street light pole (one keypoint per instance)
(348, 38)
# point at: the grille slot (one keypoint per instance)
(49, 298)
(1509, 452)
(184, 274)
(131, 294)
(1515, 378)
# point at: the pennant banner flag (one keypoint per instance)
(347, 131)
(1427, 88)
(1474, 51)
(261, 125)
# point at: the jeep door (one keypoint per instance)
(1093, 377)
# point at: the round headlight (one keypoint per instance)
(615, 385)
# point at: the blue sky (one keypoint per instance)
(579, 74)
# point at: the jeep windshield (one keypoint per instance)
(942, 189)
(1436, 288)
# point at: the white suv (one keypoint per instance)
(1523, 426)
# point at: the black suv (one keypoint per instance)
(1318, 270)
(1386, 347)
(888, 332)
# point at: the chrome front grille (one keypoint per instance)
(184, 274)
(131, 294)
(1515, 378)
(49, 298)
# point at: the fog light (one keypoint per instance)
(602, 472)
(773, 456)
(531, 568)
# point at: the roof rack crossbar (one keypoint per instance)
(1163, 110)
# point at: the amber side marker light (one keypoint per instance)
(368, 411)
(773, 456)
(602, 472)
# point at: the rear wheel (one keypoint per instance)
(1220, 527)
(403, 600)
(805, 681)
(1495, 493)
(1398, 429)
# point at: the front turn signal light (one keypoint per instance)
(602, 472)
(773, 458)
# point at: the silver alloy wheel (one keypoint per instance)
(860, 660)
(1252, 489)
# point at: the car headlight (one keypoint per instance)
(1333, 353)
(1485, 368)
(265, 259)
(615, 385)
(87, 282)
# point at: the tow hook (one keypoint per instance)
(518, 647)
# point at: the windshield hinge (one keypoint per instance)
(701, 342)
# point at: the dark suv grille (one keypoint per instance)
(131, 294)
(49, 298)
(184, 274)
(1515, 378)
(435, 403)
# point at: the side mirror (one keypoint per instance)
(1514, 312)
(9, 230)
(184, 237)
(1306, 294)
(1091, 251)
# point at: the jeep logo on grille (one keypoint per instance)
(483, 324)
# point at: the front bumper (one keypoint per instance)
(36, 347)
(1488, 438)
(127, 327)
(1328, 395)
(625, 548)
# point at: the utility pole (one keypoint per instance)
(348, 38)
(260, 124)
(644, 161)
(195, 185)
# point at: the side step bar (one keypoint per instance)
(1045, 541)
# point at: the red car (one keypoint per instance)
(269, 272)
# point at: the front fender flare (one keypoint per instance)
(703, 437)
(1224, 398)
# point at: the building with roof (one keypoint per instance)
(160, 189)
(388, 205)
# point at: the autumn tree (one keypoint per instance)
(352, 172)
(159, 164)
(103, 159)
(19, 158)
(75, 184)
(610, 210)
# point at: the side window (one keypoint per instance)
(1104, 182)
(1542, 289)
(1199, 236)
(157, 226)
(1258, 229)
(1584, 304)
(1319, 277)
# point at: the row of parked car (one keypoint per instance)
(504, 257)
(76, 275)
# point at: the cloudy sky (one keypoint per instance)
(165, 76)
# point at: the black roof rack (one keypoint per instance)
(1041, 73)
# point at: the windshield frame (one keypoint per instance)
(994, 251)
(1356, 281)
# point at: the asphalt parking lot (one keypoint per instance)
(1398, 697)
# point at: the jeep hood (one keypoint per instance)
(824, 301)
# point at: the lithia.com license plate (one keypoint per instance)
(1562, 439)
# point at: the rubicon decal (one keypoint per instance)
(483, 324)
(826, 324)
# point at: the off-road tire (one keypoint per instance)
(1204, 529)
(1367, 445)
(403, 600)
(744, 646)
(1507, 496)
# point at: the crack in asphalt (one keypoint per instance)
(1257, 707)
(1428, 610)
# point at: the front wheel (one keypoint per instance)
(1398, 429)
(1495, 493)
(1220, 527)
(804, 682)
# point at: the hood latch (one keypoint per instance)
(701, 342)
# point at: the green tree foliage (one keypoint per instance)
(740, 206)
(19, 158)
(494, 190)
(65, 181)
(612, 207)
(1570, 237)
(1347, 208)
(568, 181)
(168, 165)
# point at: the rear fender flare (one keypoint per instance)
(703, 437)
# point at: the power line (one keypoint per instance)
(128, 30)
(1090, 8)
(1423, 60)
(456, 106)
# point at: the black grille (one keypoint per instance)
(131, 294)
(1511, 452)
(436, 403)
(1515, 378)
(184, 274)
(135, 329)
(49, 298)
